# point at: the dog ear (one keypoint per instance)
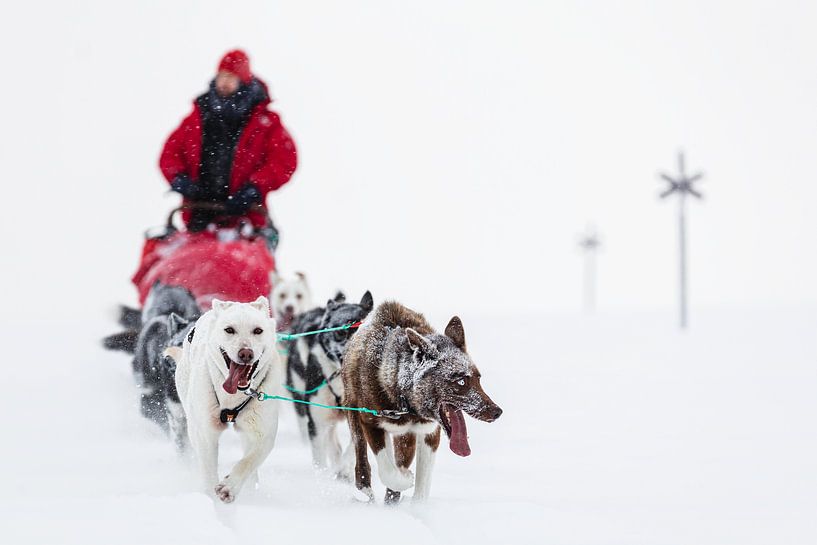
(262, 304)
(456, 332)
(219, 305)
(331, 304)
(301, 276)
(367, 302)
(340, 297)
(175, 323)
(417, 341)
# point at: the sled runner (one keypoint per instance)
(231, 263)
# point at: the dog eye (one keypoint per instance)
(299, 297)
(281, 296)
(229, 330)
(257, 331)
(461, 382)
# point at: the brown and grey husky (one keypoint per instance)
(397, 362)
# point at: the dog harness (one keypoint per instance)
(229, 415)
(328, 382)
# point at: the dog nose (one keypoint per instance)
(245, 355)
(494, 413)
(289, 309)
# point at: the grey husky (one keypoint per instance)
(156, 378)
(164, 320)
(162, 300)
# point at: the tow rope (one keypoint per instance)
(323, 383)
(229, 415)
(293, 336)
(386, 413)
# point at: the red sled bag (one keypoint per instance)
(209, 264)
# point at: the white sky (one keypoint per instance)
(451, 152)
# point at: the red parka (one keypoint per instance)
(265, 154)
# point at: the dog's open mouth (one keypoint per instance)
(454, 425)
(238, 374)
(285, 320)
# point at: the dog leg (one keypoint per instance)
(332, 444)
(259, 439)
(363, 471)
(404, 448)
(318, 449)
(325, 445)
(390, 475)
(178, 425)
(253, 478)
(204, 440)
(299, 409)
(153, 405)
(346, 467)
(426, 452)
(315, 439)
(303, 425)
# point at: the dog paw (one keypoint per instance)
(392, 497)
(365, 495)
(397, 479)
(224, 493)
(345, 473)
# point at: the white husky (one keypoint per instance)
(231, 348)
(289, 297)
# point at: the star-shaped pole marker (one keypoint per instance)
(683, 186)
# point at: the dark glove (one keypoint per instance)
(200, 219)
(239, 202)
(187, 187)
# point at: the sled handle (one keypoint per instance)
(214, 206)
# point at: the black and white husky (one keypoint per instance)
(313, 374)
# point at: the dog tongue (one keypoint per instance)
(458, 442)
(237, 375)
(285, 321)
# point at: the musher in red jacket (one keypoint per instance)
(231, 149)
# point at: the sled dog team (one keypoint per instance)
(198, 375)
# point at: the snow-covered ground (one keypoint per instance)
(617, 430)
(448, 158)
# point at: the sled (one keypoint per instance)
(227, 263)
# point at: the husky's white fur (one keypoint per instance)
(224, 332)
(289, 297)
